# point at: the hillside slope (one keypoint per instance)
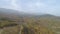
(15, 22)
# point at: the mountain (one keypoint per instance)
(16, 12)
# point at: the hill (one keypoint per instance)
(15, 22)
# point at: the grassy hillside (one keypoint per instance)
(24, 26)
(16, 23)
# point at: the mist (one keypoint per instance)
(33, 6)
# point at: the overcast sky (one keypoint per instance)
(33, 6)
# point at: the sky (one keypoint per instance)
(33, 6)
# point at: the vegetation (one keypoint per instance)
(28, 26)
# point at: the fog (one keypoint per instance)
(33, 6)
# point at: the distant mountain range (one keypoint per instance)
(10, 12)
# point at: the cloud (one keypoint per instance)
(14, 4)
(6, 0)
(32, 6)
(28, 6)
(10, 4)
(35, 7)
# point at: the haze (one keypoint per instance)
(33, 6)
